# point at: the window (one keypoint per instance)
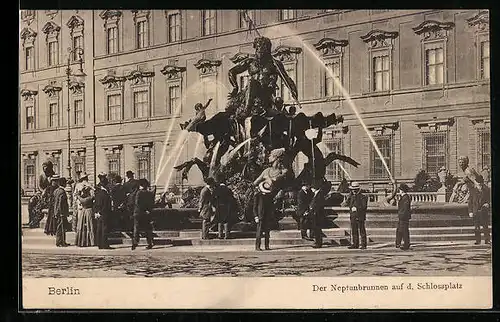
(243, 21)
(381, 73)
(434, 152)
(30, 58)
(53, 115)
(53, 53)
(434, 66)
(112, 37)
(284, 92)
(141, 104)
(174, 27)
(287, 14)
(79, 115)
(485, 60)
(30, 117)
(377, 169)
(333, 170)
(484, 148)
(331, 89)
(56, 161)
(114, 107)
(174, 98)
(79, 165)
(142, 34)
(144, 167)
(114, 165)
(77, 43)
(208, 22)
(29, 176)
(27, 14)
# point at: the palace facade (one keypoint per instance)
(419, 78)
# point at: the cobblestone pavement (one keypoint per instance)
(469, 262)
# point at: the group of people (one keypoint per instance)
(216, 205)
(96, 209)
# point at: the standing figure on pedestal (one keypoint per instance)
(102, 209)
(471, 180)
(60, 210)
(357, 203)
(268, 184)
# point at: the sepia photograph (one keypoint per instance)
(316, 153)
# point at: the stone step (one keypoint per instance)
(376, 223)
(423, 238)
(273, 241)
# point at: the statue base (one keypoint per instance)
(441, 197)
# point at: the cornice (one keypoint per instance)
(172, 72)
(379, 38)
(207, 66)
(286, 53)
(330, 46)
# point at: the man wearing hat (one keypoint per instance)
(482, 218)
(404, 216)
(144, 201)
(357, 203)
(61, 210)
(130, 187)
(304, 198)
(102, 210)
(320, 189)
(206, 206)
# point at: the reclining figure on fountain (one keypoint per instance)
(256, 122)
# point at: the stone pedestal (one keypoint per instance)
(441, 197)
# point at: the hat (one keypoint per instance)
(102, 175)
(55, 177)
(83, 176)
(210, 181)
(354, 186)
(265, 186)
(143, 183)
(404, 187)
(129, 173)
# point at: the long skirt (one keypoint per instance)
(85, 231)
(51, 223)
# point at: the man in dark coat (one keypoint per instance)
(61, 210)
(482, 216)
(404, 216)
(118, 196)
(357, 203)
(304, 198)
(206, 206)
(102, 210)
(225, 203)
(144, 201)
(130, 188)
(320, 189)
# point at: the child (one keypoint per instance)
(198, 118)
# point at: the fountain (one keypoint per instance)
(256, 122)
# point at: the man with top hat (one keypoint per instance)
(320, 188)
(304, 198)
(60, 210)
(130, 187)
(102, 210)
(404, 216)
(357, 203)
(144, 201)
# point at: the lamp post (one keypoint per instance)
(78, 75)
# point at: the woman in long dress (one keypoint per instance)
(85, 232)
